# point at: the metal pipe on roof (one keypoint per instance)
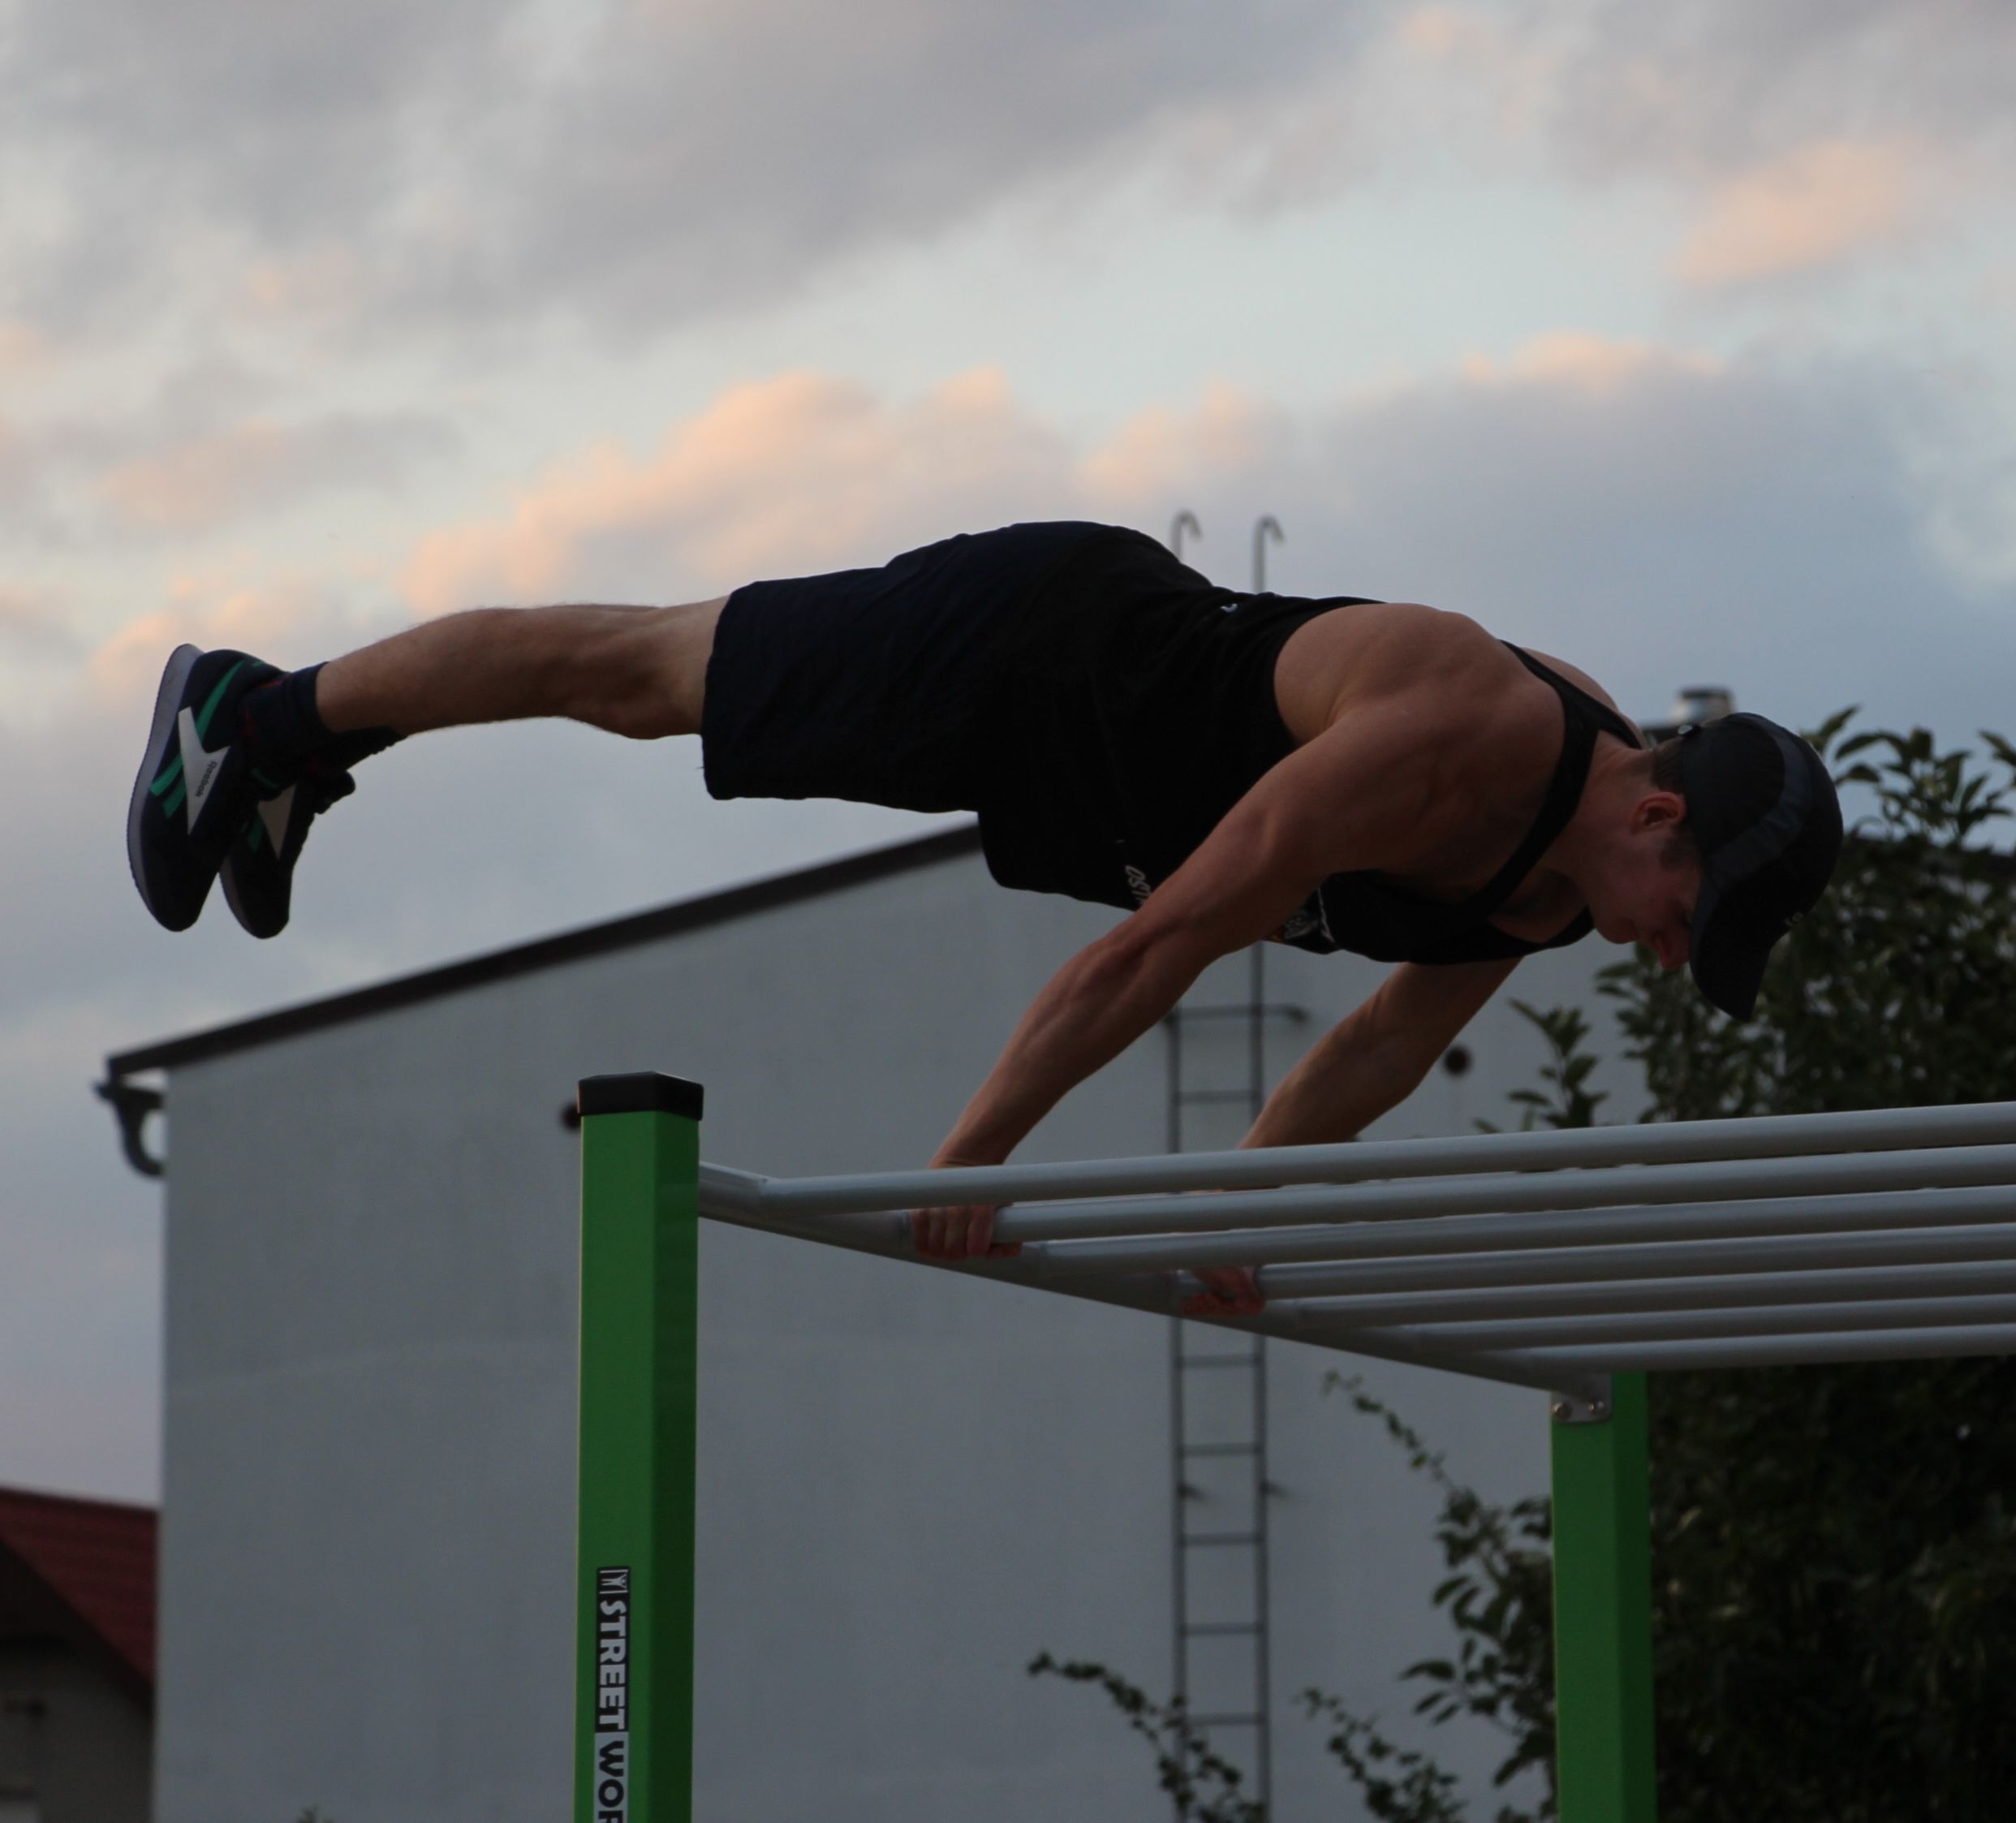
(1265, 527)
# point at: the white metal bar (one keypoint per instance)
(1597, 1229)
(1781, 1136)
(1516, 1192)
(1454, 1233)
(1943, 1343)
(1536, 1266)
(1675, 1326)
(738, 1196)
(1715, 1291)
(1156, 1294)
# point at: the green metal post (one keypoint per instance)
(633, 1756)
(1603, 1708)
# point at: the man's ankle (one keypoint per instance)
(283, 729)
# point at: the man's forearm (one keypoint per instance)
(1345, 1083)
(1095, 1005)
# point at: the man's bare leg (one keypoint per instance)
(241, 758)
(640, 672)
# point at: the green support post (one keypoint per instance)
(633, 1755)
(1602, 1707)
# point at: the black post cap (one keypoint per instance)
(648, 1092)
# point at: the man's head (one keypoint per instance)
(1734, 835)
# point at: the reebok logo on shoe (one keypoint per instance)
(200, 765)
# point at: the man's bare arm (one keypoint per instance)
(1371, 1061)
(1331, 805)
(1376, 1057)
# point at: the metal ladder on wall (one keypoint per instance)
(1218, 1414)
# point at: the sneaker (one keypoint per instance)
(258, 871)
(197, 787)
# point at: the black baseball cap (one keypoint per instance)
(1764, 813)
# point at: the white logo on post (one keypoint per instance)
(611, 1768)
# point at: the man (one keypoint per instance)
(1340, 773)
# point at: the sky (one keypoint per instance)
(1673, 341)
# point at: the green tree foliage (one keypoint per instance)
(1205, 1784)
(1498, 1597)
(1835, 1561)
(1566, 1098)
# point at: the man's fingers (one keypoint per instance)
(1228, 1291)
(966, 1233)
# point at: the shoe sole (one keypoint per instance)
(227, 884)
(175, 679)
(227, 880)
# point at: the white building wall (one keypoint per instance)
(911, 1483)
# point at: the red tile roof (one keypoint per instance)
(98, 1557)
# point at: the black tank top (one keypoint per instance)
(1134, 705)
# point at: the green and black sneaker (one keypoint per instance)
(197, 787)
(258, 871)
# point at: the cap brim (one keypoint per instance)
(1727, 962)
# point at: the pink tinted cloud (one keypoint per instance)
(1576, 361)
(22, 347)
(258, 465)
(1511, 67)
(801, 472)
(32, 626)
(1816, 206)
(288, 621)
(1159, 452)
(199, 484)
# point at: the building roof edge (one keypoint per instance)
(674, 920)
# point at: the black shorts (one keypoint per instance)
(881, 686)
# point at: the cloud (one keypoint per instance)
(1579, 362)
(257, 466)
(1800, 131)
(1744, 522)
(14, 459)
(33, 627)
(801, 473)
(1157, 452)
(637, 163)
(192, 455)
(1497, 53)
(287, 620)
(22, 347)
(382, 168)
(1815, 206)
(1721, 88)
(1658, 513)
